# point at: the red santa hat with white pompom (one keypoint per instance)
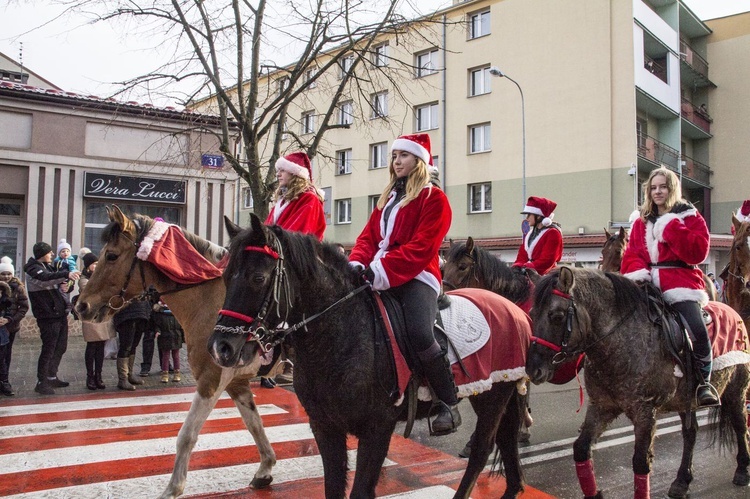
(542, 207)
(743, 214)
(296, 163)
(417, 144)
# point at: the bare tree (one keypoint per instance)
(226, 49)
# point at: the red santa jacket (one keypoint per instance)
(543, 253)
(304, 214)
(405, 246)
(678, 236)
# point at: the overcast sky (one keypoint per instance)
(87, 58)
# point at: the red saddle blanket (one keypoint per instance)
(728, 335)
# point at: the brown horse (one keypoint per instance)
(737, 278)
(614, 248)
(121, 277)
(629, 370)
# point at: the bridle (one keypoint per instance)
(472, 274)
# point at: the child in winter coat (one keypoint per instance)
(169, 338)
(11, 319)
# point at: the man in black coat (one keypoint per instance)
(45, 287)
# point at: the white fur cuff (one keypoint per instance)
(661, 224)
(639, 275)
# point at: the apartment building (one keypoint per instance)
(575, 100)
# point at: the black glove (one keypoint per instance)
(367, 276)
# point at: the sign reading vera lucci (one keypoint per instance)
(101, 185)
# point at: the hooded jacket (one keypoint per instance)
(42, 284)
(19, 305)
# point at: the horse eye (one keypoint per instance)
(463, 267)
(556, 316)
(111, 257)
(258, 278)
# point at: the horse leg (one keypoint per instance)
(679, 487)
(644, 424)
(200, 408)
(507, 441)
(240, 392)
(332, 446)
(593, 426)
(733, 413)
(371, 452)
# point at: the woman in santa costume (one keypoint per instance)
(297, 203)
(667, 242)
(398, 250)
(542, 246)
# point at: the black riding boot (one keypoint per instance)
(705, 395)
(440, 377)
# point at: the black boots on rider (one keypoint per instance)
(705, 395)
(438, 372)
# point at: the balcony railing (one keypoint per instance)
(655, 67)
(657, 152)
(696, 170)
(691, 57)
(698, 116)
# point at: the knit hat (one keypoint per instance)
(417, 144)
(542, 207)
(743, 214)
(40, 249)
(63, 244)
(6, 265)
(88, 259)
(296, 163)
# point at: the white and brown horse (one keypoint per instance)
(128, 264)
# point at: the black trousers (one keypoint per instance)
(54, 333)
(94, 356)
(149, 339)
(129, 333)
(693, 315)
(419, 302)
(5, 354)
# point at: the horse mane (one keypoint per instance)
(625, 290)
(212, 252)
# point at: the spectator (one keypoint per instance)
(11, 320)
(64, 259)
(147, 350)
(95, 334)
(130, 322)
(716, 283)
(169, 336)
(45, 288)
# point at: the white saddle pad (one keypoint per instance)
(466, 326)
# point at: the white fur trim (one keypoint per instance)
(686, 294)
(380, 282)
(547, 221)
(742, 217)
(530, 247)
(661, 223)
(634, 216)
(156, 232)
(476, 387)
(730, 359)
(533, 210)
(413, 148)
(639, 275)
(285, 165)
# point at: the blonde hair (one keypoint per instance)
(296, 186)
(673, 184)
(418, 178)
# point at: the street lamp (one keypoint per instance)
(633, 172)
(495, 71)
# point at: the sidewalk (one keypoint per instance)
(22, 374)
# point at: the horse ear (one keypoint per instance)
(469, 245)
(621, 234)
(606, 232)
(533, 275)
(257, 227)
(232, 228)
(117, 216)
(566, 280)
(735, 223)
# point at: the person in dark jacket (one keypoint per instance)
(169, 337)
(45, 287)
(130, 323)
(19, 305)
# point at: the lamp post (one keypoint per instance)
(633, 172)
(495, 71)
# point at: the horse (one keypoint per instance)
(116, 282)
(629, 370)
(737, 275)
(344, 376)
(614, 249)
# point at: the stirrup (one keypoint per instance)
(454, 415)
(711, 388)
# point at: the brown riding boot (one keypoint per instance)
(132, 378)
(122, 374)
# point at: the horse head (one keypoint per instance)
(257, 290)
(459, 266)
(115, 280)
(737, 275)
(613, 250)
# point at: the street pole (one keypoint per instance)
(495, 71)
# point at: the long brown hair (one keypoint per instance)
(673, 184)
(418, 178)
(296, 186)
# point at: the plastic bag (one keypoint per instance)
(111, 346)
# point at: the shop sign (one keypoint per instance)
(101, 185)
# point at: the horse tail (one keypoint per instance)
(722, 432)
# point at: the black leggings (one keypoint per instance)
(94, 356)
(693, 315)
(419, 302)
(130, 333)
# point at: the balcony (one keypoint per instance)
(693, 67)
(695, 171)
(657, 153)
(656, 67)
(696, 122)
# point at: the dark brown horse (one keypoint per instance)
(629, 370)
(121, 276)
(343, 375)
(737, 278)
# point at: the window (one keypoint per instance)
(379, 105)
(309, 78)
(480, 198)
(427, 117)
(378, 155)
(380, 56)
(247, 198)
(641, 131)
(479, 81)
(345, 65)
(479, 138)
(282, 84)
(479, 24)
(96, 218)
(308, 122)
(344, 162)
(343, 211)
(372, 202)
(426, 63)
(346, 113)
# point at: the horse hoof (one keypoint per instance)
(261, 483)
(741, 478)
(598, 495)
(678, 490)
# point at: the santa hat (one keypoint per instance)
(296, 163)
(63, 244)
(417, 144)
(6, 265)
(743, 214)
(542, 207)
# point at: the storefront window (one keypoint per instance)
(96, 219)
